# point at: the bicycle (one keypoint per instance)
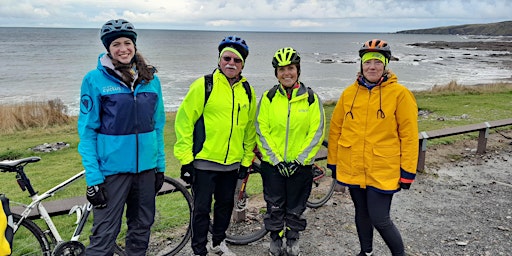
(247, 221)
(170, 232)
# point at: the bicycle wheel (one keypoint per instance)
(171, 230)
(322, 188)
(247, 218)
(29, 239)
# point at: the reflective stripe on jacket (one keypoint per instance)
(120, 131)
(290, 129)
(371, 151)
(228, 120)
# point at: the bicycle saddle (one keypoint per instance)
(9, 164)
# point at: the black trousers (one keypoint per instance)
(286, 199)
(372, 210)
(220, 185)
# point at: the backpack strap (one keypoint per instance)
(272, 92)
(208, 86)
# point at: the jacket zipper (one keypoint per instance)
(232, 120)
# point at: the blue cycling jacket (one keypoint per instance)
(120, 131)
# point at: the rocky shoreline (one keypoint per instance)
(504, 47)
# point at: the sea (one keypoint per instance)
(40, 64)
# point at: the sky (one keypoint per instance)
(256, 15)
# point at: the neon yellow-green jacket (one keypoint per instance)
(228, 118)
(292, 129)
(370, 150)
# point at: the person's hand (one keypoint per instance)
(333, 170)
(294, 167)
(283, 169)
(187, 173)
(243, 171)
(405, 185)
(159, 181)
(97, 196)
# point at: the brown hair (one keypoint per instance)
(145, 71)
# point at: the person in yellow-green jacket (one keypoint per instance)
(215, 139)
(373, 145)
(290, 123)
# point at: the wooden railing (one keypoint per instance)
(483, 134)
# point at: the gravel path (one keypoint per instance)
(460, 205)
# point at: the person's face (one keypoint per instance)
(122, 50)
(287, 75)
(230, 64)
(373, 70)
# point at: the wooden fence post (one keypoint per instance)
(482, 138)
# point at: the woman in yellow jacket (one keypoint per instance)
(290, 124)
(373, 145)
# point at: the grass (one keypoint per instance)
(32, 124)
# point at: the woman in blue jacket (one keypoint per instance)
(120, 126)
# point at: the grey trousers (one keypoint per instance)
(137, 192)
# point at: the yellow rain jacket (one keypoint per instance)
(373, 148)
(290, 129)
(228, 120)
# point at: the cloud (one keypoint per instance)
(283, 15)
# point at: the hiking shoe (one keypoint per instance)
(292, 247)
(276, 247)
(365, 254)
(221, 249)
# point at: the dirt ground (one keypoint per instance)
(460, 205)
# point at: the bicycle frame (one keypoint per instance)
(82, 211)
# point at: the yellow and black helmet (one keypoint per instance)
(285, 56)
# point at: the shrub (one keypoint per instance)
(16, 117)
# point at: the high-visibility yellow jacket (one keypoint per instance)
(230, 135)
(371, 148)
(292, 129)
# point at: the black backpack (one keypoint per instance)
(7, 234)
(199, 132)
(272, 92)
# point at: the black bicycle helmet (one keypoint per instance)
(376, 45)
(285, 56)
(237, 43)
(114, 29)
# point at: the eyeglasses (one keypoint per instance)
(228, 59)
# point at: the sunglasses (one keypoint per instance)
(228, 59)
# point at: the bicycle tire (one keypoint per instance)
(322, 187)
(29, 239)
(171, 230)
(246, 224)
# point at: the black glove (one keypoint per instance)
(97, 196)
(404, 185)
(283, 169)
(243, 172)
(333, 170)
(294, 167)
(187, 173)
(159, 181)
